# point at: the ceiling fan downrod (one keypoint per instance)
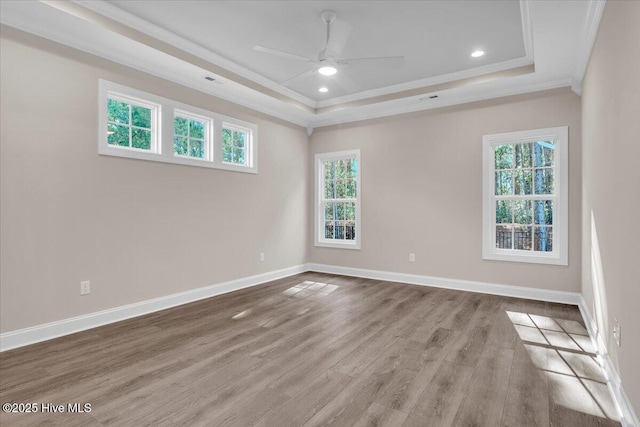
(327, 16)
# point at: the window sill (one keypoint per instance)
(174, 159)
(526, 258)
(337, 245)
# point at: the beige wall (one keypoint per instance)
(140, 230)
(136, 229)
(422, 190)
(611, 199)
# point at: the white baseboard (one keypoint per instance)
(35, 334)
(47, 331)
(461, 285)
(628, 416)
(32, 335)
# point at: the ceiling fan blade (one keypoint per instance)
(299, 76)
(339, 33)
(281, 53)
(383, 61)
(345, 83)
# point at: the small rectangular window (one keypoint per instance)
(338, 199)
(235, 144)
(139, 125)
(192, 136)
(525, 196)
(131, 123)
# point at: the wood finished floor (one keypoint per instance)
(321, 350)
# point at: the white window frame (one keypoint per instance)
(559, 254)
(208, 134)
(319, 238)
(155, 114)
(248, 143)
(163, 130)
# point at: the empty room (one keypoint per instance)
(320, 213)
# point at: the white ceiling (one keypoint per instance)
(435, 37)
(187, 40)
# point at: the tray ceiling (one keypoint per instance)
(529, 46)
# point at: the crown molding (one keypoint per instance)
(431, 81)
(462, 95)
(126, 39)
(528, 59)
(527, 29)
(95, 23)
(130, 20)
(54, 26)
(595, 8)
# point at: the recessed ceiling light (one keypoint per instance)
(477, 53)
(323, 89)
(327, 70)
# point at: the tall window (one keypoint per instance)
(525, 196)
(337, 218)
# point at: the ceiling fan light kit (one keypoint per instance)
(327, 70)
(327, 63)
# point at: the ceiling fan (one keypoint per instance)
(327, 63)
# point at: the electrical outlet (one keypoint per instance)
(85, 287)
(616, 331)
(261, 256)
(412, 257)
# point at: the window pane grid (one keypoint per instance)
(126, 129)
(524, 196)
(234, 146)
(528, 238)
(339, 220)
(524, 168)
(338, 199)
(190, 137)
